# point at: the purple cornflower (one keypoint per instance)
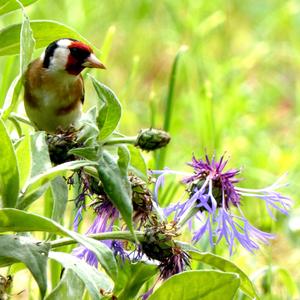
(174, 263)
(212, 198)
(106, 215)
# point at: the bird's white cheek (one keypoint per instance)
(59, 59)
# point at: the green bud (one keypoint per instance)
(152, 139)
(158, 243)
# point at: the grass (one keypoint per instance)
(236, 90)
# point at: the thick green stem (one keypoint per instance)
(121, 140)
(115, 235)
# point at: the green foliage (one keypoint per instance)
(230, 92)
(38, 182)
(227, 266)
(7, 6)
(24, 159)
(69, 287)
(131, 278)
(109, 111)
(137, 163)
(116, 185)
(192, 285)
(44, 32)
(93, 279)
(32, 253)
(9, 173)
(59, 195)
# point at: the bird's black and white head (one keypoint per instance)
(69, 55)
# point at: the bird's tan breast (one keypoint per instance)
(55, 96)
(53, 89)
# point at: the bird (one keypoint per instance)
(54, 86)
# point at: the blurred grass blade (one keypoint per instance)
(169, 103)
(44, 32)
(170, 96)
(107, 43)
(9, 172)
(30, 252)
(211, 22)
(7, 6)
(93, 279)
(280, 275)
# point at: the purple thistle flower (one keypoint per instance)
(212, 198)
(107, 214)
(175, 263)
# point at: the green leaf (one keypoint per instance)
(116, 186)
(27, 43)
(131, 278)
(24, 159)
(123, 161)
(39, 181)
(9, 173)
(92, 278)
(89, 153)
(69, 287)
(26, 48)
(227, 266)
(12, 96)
(32, 253)
(44, 32)
(195, 285)
(110, 113)
(90, 131)
(39, 154)
(137, 163)
(7, 6)
(21, 221)
(59, 190)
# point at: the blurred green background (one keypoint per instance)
(236, 91)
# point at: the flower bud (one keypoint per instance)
(152, 139)
(60, 143)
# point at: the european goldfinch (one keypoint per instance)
(53, 86)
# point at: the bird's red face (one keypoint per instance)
(70, 55)
(81, 56)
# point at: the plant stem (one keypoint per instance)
(114, 235)
(121, 140)
(189, 214)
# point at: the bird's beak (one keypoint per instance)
(93, 62)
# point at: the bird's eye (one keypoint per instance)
(74, 51)
(78, 53)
